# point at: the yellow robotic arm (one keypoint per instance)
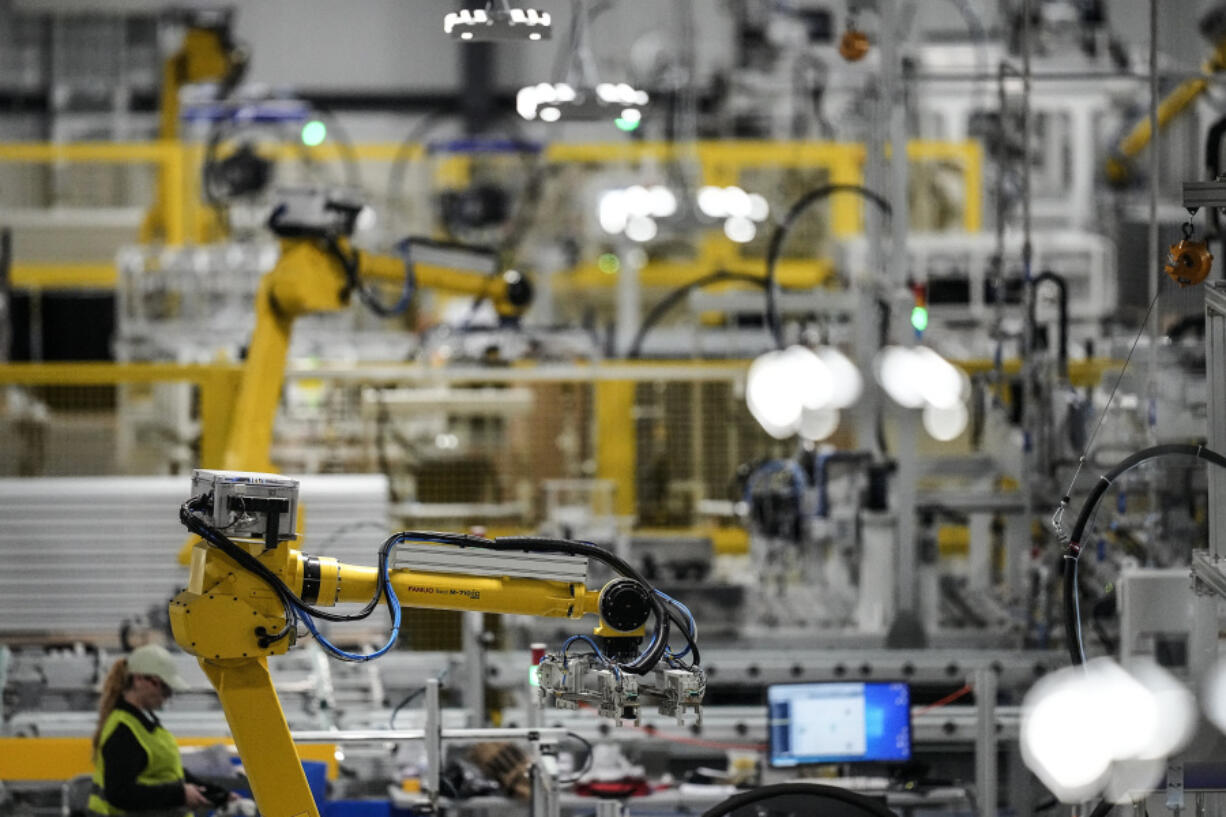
(236, 610)
(319, 272)
(208, 53)
(1213, 27)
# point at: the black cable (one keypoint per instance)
(351, 263)
(869, 806)
(773, 320)
(391, 721)
(673, 298)
(587, 761)
(1062, 284)
(209, 534)
(1071, 596)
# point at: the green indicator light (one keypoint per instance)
(534, 676)
(919, 318)
(627, 124)
(314, 133)
(609, 263)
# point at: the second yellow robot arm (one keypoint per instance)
(311, 278)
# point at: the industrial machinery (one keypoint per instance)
(251, 587)
(318, 272)
(209, 53)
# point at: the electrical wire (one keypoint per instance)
(692, 630)
(843, 799)
(587, 761)
(673, 298)
(1058, 516)
(405, 701)
(351, 263)
(773, 319)
(587, 640)
(1071, 596)
(948, 699)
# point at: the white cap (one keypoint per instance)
(153, 659)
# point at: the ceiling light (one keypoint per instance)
(493, 24)
(606, 102)
(1082, 726)
(916, 377)
(945, 424)
(789, 391)
(847, 383)
(740, 229)
(818, 424)
(633, 210)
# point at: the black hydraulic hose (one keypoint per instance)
(673, 298)
(773, 320)
(1072, 613)
(351, 265)
(1062, 284)
(868, 806)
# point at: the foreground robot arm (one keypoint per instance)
(250, 587)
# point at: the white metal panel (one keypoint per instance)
(82, 554)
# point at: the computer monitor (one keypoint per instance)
(838, 722)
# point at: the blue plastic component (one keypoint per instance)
(476, 145)
(357, 808)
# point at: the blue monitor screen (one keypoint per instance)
(836, 722)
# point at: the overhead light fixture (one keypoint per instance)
(501, 22)
(800, 391)
(635, 210)
(917, 377)
(562, 102)
(1089, 728)
(741, 212)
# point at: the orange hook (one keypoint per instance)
(854, 45)
(1189, 262)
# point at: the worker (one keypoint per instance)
(137, 768)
